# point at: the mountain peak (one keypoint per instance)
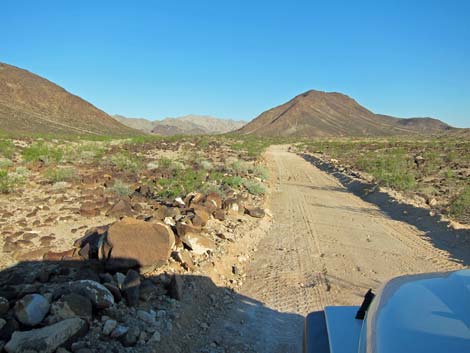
(318, 113)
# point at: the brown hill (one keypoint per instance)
(316, 113)
(32, 104)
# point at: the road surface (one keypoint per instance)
(326, 247)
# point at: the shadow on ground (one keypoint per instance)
(203, 318)
(455, 241)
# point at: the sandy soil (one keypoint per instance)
(325, 246)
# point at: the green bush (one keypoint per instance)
(393, 168)
(54, 175)
(9, 181)
(5, 163)
(7, 148)
(233, 181)
(254, 187)
(261, 172)
(121, 189)
(125, 163)
(460, 206)
(40, 151)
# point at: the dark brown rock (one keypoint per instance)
(131, 286)
(122, 208)
(219, 215)
(256, 212)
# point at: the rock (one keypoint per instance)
(89, 209)
(175, 288)
(31, 309)
(219, 215)
(99, 295)
(122, 208)
(148, 290)
(72, 305)
(4, 306)
(198, 243)
(131, 337)
(93, 237)
(183, 228)
(119, 331)
(256, 212)
(233, 206)
(131, 287)
(165, 211)
(59, 256)
(214, 199)
(419, 161)
(119, 278)
(46, 339)
(2, 323)
(146, 317)
(109, 327)
(10, 326)
(155, 337)
(184, 257)
(114, 291)
(169, 221)
(138, 243)
(202, 215)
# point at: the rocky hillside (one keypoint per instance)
(316, 113)
(184, 125)
(32, 104)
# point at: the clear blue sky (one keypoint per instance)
(237, 58)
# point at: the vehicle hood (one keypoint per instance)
(420, 313)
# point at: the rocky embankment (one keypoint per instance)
(120, 285)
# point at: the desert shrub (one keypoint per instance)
(254, 187)
(261, 172)
(7, 148)
(152, 165)
(9, 181)
(40, 151)
(54, 175)
(125, 163)
(240, 167)
(120, 188)
(207, 188)
(460, 206)
(392, 169)
(182, 183)
(5, 163)
(233, 181)
(206, 165)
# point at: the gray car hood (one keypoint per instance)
(420, 314)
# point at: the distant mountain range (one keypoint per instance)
(184, 125)
(32, 104)
(316, 113)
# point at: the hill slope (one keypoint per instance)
(185, 125)
(316, 113)
(32, 104)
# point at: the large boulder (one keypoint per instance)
(31, 309)
(137, 243)
(100, 296)
(46, 339)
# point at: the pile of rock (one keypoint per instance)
(53, 307)
(173, 230)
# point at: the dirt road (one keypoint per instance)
(326, 246)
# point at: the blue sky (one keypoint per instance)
(238, 58)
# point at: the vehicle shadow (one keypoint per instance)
(454, 241)
(199, 315)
